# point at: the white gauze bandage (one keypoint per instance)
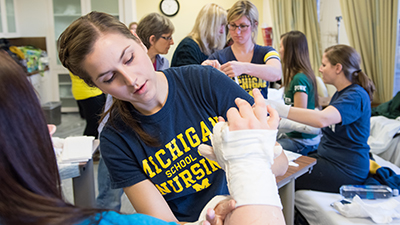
(247, 156)
(286, 125)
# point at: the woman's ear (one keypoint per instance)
(152, 39)
(338, 68)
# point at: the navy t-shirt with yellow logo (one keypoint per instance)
(196, 97)
(260, 56)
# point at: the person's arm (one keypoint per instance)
(281, 164)
(300, 100)
(270, 71)
(330, 115)
(254, 190)
(145, 198)
(315, 118)
(212, 62)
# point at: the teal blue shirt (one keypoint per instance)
(300, 83)
(114, 218)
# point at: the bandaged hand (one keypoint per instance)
(244, 148)
(283, 110)
(286, 126)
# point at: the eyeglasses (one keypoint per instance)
(169, 38)
(241, 27)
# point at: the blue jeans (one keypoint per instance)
(108, 198)
(293, 145)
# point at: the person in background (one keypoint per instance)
(155, 31)
(206, 37)
(132, 27)
(300, 91)
(91, 102)
(343, 153)
(251, 65)
(157, 120)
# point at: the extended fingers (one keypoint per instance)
(260, 108)
(273, 120)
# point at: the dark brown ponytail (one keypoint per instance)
(350, 60)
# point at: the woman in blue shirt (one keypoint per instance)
(343, 153)
(30, 190)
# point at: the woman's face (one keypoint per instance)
(240, 30)
(120, 66)
(162, 45)
(327, 70)
(281, 48)
(222, 29)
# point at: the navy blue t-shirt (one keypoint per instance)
(261, 55)
(345, 144)
(196, 97)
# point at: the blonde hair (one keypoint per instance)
(247, 9)
(207, 26)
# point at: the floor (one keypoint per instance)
(73, 125)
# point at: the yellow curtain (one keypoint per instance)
(371, 27)
(298, 15)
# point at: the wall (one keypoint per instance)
(32, 17)
(329, 10)
(187, 14)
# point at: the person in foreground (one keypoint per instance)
(250, 64)
(244, 147)
(155, 31)
(343, 153)
(31, 190)
(157, 120)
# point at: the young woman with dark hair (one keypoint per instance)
(343, 153)
(300, 91)
(30, 190)
(157, 120)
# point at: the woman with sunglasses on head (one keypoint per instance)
(206, 37)
(157, 120)
(251, 65)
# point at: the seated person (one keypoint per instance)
(300, 91)
(343, 153)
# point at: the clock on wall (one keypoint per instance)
(169, 7)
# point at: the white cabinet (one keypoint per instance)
(62, 15)
(8, 23)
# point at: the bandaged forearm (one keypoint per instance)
(286, 125)
(247, 156)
